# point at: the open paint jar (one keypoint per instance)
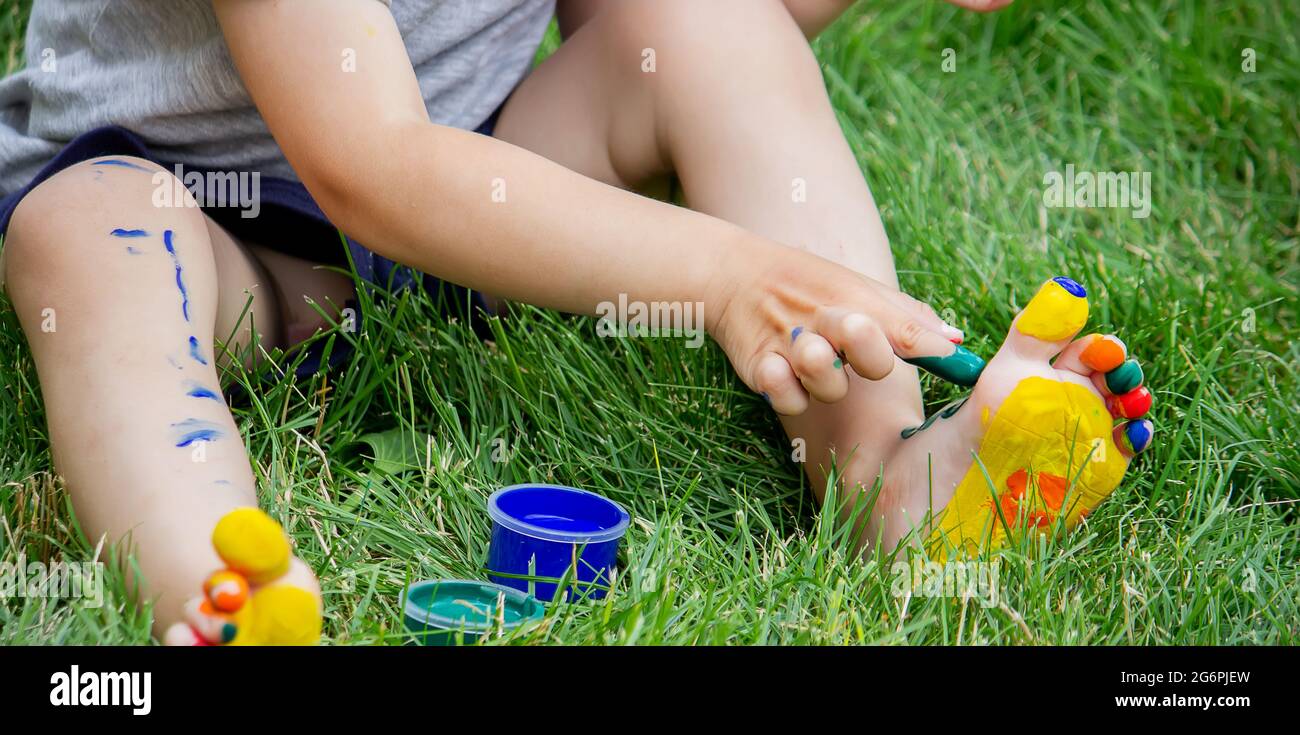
(541, 533)
(445, 612)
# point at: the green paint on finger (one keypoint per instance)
(962, 367)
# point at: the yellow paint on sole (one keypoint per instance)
(1044, 426)
(279, 616)
(1053, 314)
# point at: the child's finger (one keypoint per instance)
(925, 314)
(819, 368)
(775, 380)
(860, 339)
(871, 350)
(908, 336)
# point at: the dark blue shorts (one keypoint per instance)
(289, 221)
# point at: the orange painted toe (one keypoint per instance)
(1104, 353)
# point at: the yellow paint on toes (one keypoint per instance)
(1053, 314)
(253, 544)
(279, 616)
(1047, 451)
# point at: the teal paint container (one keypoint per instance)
(446, 612)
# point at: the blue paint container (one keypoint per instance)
(546, 531)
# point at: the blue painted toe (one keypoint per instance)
(1074, 287)
(1139, 434)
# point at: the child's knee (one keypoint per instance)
(690, 24)
(94, 191)
(59, 231)
(681, 39)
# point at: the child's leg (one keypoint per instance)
(728, 95)
(119, 300)
(736, 107)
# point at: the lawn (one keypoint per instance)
(1199, 545)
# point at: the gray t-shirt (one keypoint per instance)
(162, 70)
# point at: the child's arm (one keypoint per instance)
(423, 195)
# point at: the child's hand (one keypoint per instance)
(791, 322)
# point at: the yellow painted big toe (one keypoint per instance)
(252, 543)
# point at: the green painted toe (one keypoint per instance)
(1124, 378)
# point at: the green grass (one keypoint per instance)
(1199, 544)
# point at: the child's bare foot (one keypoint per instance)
(1052, 440)
(264, 596)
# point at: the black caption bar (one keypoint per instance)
(986, 684)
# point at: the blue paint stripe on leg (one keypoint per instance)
(123, 164)
(195, 353)
(192, 431)
(195, 389)
(180, 280)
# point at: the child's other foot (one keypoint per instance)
(264, 596)
(1052, 439)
